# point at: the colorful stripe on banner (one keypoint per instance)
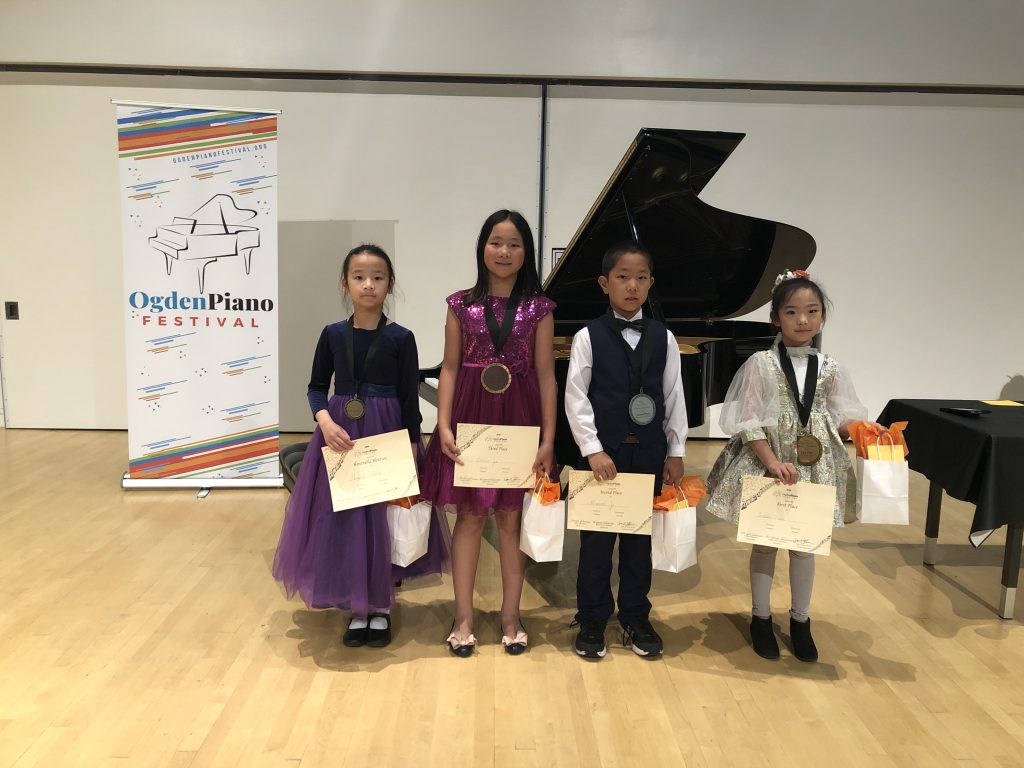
(254, 447)
(161, 133)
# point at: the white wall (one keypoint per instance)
(915, 210)
(437, 165)
(914, 201)
(911, 41)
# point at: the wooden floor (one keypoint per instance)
(144, 628)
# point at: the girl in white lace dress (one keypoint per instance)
(762, 413)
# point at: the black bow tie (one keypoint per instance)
(636, 325)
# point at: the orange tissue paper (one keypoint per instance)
(691, 490)
(864, 434)
(405, 501)
(546, 491)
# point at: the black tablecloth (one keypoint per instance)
(975, 459)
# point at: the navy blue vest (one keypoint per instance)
(611, 388)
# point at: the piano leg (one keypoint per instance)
(1011, 569)
(247, 259)
(931, 524)
(201, 272)
(169, 263)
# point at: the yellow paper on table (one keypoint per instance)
(495, 456)
(378, 468)
(1002, 402)
(622, 505)
(795, 516)
(882, 452)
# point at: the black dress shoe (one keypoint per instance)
(354, 638)
(378, 638)
(762, 637)
(803, 644)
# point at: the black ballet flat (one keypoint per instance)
(354, 638)
(378, 638)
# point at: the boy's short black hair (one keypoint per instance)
(617, 251)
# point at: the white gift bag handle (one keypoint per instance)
(892, 444)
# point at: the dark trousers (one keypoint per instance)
(594, 601)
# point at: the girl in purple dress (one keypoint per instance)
(498, 368)
(343, 559)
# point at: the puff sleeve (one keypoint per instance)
(842, 402)
(752, 402)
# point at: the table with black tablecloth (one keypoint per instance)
(977, 459)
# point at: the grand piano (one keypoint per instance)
(214, 231)
(710, 265)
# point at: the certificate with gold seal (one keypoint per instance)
(795, 516)
(622, 505)
(378, 468)
(495, 456)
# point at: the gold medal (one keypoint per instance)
(496, 378)
(808, 450)
(355, 409)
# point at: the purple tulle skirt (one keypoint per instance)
(343, 559)
(517, 406)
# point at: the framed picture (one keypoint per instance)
(556, 254)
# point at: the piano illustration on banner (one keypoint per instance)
(212, 232)
(710, 266)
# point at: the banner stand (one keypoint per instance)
(198, 194)
(213, 482)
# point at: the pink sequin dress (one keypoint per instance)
(519, 405)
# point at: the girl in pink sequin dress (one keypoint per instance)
(506, 275)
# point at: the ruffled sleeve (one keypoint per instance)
(752, 402)
(842, 402)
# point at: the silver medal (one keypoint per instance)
(642, 409)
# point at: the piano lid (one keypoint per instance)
(708, 263)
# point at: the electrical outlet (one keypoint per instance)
(11, 310)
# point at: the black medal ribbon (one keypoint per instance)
(810, 383)
(350, 351)
(500, 335)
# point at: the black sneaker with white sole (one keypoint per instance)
(590, 639)
(639, 635)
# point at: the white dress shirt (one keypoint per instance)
(581, 413)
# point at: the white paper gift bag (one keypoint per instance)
(542, 530)
(674, 539)
(410, 531)
(883, 491)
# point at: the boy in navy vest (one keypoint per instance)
(624, 400)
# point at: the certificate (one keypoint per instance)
(495, 457)
(622, 505)
(795, 517)
(378, 468)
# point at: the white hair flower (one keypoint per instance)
(791, 274)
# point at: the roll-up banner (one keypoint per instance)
(198, 192)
